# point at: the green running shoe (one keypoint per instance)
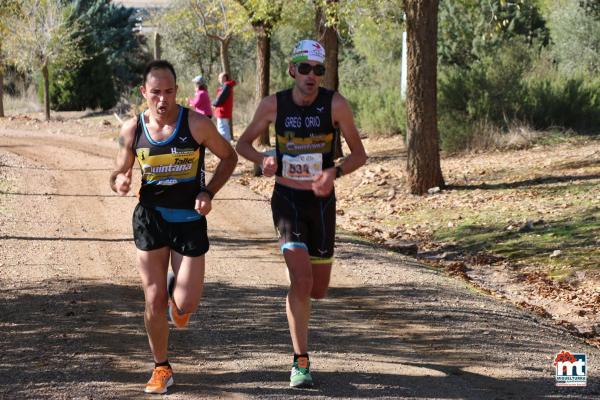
(300, 376)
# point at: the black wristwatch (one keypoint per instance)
(338, 172)
(208, 192)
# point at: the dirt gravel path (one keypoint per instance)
(71, 323)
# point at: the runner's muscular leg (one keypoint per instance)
(298, 298)
(321, 275)
(189, 281)
(152, 266)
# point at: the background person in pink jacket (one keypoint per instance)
(201, 101)
(223, 105)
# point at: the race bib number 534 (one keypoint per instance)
(302, 167)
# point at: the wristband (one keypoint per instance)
(208, 192)
(338, 172)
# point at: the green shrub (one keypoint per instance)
(492, 89)
(569, 102)
(373, 94)
(471, 30)
(112, 60)
(576, 37)
(456, 131)
(378, 110)
(485, 50)
(69, 91)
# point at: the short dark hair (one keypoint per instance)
(159, 64)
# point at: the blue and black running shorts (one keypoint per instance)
(151, 231)
(304, 220)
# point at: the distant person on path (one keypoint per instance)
(201, 101)
(223, 105)
(169, 222)
(306, 118)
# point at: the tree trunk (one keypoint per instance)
(224, 52)
(157, 46)
(423, 162)
(213, 58)
(1, 83)
(263, 71)
(1, 91)
(328, 38)
(46, 90)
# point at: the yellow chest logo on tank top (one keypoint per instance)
(180, 165)
(288, 143)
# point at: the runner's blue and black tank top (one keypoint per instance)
(305, 129)
(172, 170)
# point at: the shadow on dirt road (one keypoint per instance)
(71, 306)
(91, 335)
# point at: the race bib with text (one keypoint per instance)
(302, 167)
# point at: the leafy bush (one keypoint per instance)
(503, 89)
(113, 59)
(69, 90)
(569, 102)
(471, 30)
(491, 90)
(591, 7)
(576, 38)
(485, 51)
(456, 131)
(373, 90)
(378, 110)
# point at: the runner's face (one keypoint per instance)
(307, 84)
(160, 91)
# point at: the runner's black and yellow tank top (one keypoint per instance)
(172, 169)
(305, 135)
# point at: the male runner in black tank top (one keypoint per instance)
(306, 120)
(169, 222)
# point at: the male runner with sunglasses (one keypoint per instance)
(307, 120)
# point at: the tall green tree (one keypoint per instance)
(576, 39)
(327, 20)
(370, 34)
(220, 20)
(43, 35)
(423, 157)
(263, 15)
(188, 46)
(8, 10)
(114, 58)
(470, 29)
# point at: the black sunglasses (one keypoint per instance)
(304, 69)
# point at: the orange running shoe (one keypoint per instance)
(178, 319)
(162, 378)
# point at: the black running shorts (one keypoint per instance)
(303, 220)
(151, 232)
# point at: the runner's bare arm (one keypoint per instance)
(204, 131)
(120, 178)
(264, 115)
(343, 118)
